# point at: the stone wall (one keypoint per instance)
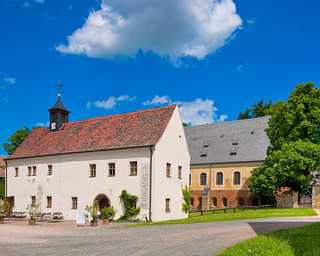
(288, 200)
(316, 196)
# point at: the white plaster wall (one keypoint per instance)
(71, 179)
(172, 148)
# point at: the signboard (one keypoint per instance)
(144, 185)
(81, 219)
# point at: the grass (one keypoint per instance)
(238, 215)
(286, 242)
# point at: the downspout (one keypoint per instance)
(150, 193)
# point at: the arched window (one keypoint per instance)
(219, 178)
(191, 201)
(236, 178)
(241, 202)
(203, 179)
(225, 202)
(214, 201)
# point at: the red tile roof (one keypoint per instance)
(2, 163)
(134, 129)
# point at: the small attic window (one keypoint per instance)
(252, 132)
(233, 153)
(203, 155)
(235, 143)
(206, 144)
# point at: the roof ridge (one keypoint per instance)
(120, 114)
(234, 121)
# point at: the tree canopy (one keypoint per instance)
(258, 109)
(294, 153)
(15, 140)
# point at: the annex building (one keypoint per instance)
(222, 157)
(73, 164)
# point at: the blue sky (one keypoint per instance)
(214, 59)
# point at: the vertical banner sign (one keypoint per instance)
(144, 185)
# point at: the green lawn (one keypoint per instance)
(285, 242)
(238, 215)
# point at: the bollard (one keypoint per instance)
(225, 211)
(212, 211)
(201, 213)
(234, 209)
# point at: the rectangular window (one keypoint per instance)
(74, 203)
(92, 170)
(133, 168)
(49, 201)
(167, 204)
(168, 170)
(112, 169)
(34, 171)
(190, 179)
(33, 201)
(179, 172)
(16, 174)
(133, 205)
(49, 170)
(29, 170)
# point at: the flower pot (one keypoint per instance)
(1, 220)
(106, 221)
(94, 223)
(32, 222)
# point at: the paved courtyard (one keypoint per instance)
(186, 239)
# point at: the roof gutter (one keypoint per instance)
(150, 193)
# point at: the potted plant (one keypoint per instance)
(5, 209)
(107, 213)
(33, 209)
(93, 210)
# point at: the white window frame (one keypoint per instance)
(75, 209)
(133, 160)
(48, 170)
(200, 179)
(181, 172)
(165, 205)
(217, 179)
(89, 172)
(15, 173)
(169, 177)
(47, 201)
(115, 168)
(235, 185)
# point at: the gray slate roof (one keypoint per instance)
(228, 142)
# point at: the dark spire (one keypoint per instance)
(59, 115)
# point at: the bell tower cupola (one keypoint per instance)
(59, 115)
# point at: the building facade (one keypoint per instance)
(222, 158)
(67, 166)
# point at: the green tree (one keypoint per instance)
(15, 140)
(186, 199)
(294, 133)
(258, 109)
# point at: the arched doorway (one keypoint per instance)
(102, 200)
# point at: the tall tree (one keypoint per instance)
(294, 153)
(16, 139)
(258, 109)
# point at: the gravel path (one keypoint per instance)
(186, 239)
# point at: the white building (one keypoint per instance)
(70, 165)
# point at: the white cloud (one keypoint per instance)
(222, 118)
(110, 103)
(194, 112)
(171, 29)
(42, 124)
(25, 4)
(39, 1)
(157, 100)
(10, 80)
(242, 66)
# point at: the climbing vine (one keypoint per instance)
(186, 199)
(129, 203)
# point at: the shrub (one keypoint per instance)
(129, 201)
(108, 212)
(93, 210)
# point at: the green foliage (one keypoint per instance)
(294, 133)
(186, 199)
(33, 210)
(129, 202)
(286, 242)
(186, 124)
(15, 140)
(108, 212)
(5, 208)
(2, 187)
(258, 109)
(93, 210)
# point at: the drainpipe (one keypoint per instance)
(151, 154)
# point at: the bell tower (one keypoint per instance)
(59, 115)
